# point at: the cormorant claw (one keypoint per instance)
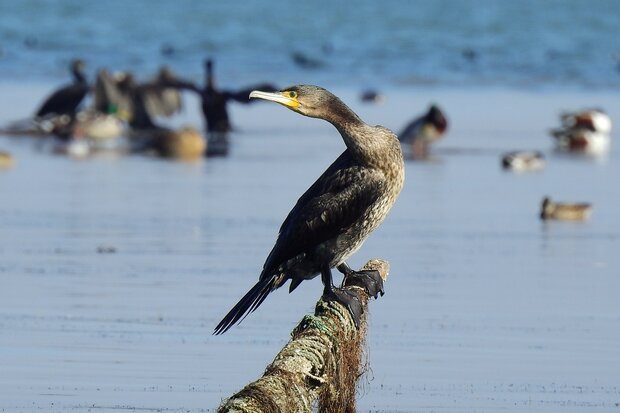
(348, 299)
(369, 280)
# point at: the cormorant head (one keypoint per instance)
(308, 100)
(77, 65)
(77, 68)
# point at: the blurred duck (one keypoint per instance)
(6, 160)
(564, 211)
(421, 132)
(306, 62)
(141, 103)
(523, 161)
(66, 100)
(214, 106)
(593, 119)
(183, 144)
(90, 124)
(584, 131)
(372, 96)
(137, 102)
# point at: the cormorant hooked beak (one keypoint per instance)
(286, 98)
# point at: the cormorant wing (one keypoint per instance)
(160, 101)
(181, 84)
(337, 200)
(158, 95)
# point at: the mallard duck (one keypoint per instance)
(417, 136)
(523, 161)
(564, 211)
(99, 126)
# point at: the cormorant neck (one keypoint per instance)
(209, 78)
(352, 128)
(79, 76)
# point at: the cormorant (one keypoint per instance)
(65, 100)
(423, 130)
(214, 106)
(336, 214)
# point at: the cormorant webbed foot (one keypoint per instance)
(369, 280)
(348, 299)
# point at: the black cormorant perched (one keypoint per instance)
(336, 214)
(65, 100)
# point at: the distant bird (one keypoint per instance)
(417, 136)
(214, 106)
(333, 218)
(372, 96)
(592, 119)
(307, 62)
(523, 161)
(89, 124)
(6, 160)
(185, 144)
(138, 102)
(66, 100)
(111, 93)
(564, 211)
(584, 131)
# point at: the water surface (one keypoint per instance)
(566, 43)
(116, 270)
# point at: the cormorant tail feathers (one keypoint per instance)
(249, 303)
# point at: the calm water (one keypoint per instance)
(114, 271)
(564, 43)
(486, 309)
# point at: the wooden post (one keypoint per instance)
(323, 360)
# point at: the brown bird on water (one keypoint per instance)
(333, 218)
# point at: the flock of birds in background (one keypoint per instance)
(123, 118)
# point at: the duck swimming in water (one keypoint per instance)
(563, 211)
(523, 161)
(333, 218)
(584, 131)
(418, 135)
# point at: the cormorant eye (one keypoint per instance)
(292, 94)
